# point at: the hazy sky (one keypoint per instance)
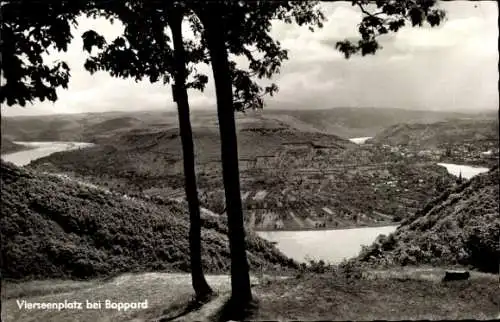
(452, 67)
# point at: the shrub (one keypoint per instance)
(462, 226)
(53, 227)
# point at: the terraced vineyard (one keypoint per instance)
(330, 199)
(290, 179)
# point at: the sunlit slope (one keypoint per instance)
(55, 227)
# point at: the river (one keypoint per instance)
(360, 140)
(329, 245)
(39, 150)
(467, 171)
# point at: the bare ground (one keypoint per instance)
(391, 295)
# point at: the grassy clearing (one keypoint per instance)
(327, 297)
(11, 290)
(398, 294)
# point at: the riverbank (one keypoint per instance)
(463, 170)
(36, 150)
(328, 246)
(340, 227)
(7, 147)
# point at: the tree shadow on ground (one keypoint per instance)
(191, 306)
(231, 311)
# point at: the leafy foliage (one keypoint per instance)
(144, 50)
(29, 30)
(384, 16)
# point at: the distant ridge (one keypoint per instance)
(345, 122)
(445, 132)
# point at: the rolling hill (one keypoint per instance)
(290, 178)
(461, 227)
(53, 226)
(7, 146)
(103, 129)
(344, 122)
(439, 133)
(362, 122)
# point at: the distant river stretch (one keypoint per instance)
(39, 150)
(361, 140)
(467, 171)
(329, 245)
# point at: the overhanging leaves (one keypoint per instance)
(383, 16)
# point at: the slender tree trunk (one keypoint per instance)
(240, 279)
(200, 285)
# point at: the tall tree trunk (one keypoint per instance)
(200, 285)
(240, 279)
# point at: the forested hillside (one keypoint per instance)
(461, 227)
(7, 146)
(440, 133)
(56, 227)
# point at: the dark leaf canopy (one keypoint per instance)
(145, 48)
(383, 16)
(248, 34)
(28, 30)
(142, 51)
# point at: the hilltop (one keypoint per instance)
(7, 146)
(53, 226)
(461, 141)
(460, 227)
(96, 131)
(439, 133)
(362, 121)
(344, 122)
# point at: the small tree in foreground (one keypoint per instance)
(137, 55)
(250, 23)
(146, 50)
(241, 28)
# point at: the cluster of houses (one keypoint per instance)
(466, 152)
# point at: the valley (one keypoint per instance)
(116, 206)
(249, 160)
(84, 231)
(293, 176)
(291, 179)
(462, 141)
